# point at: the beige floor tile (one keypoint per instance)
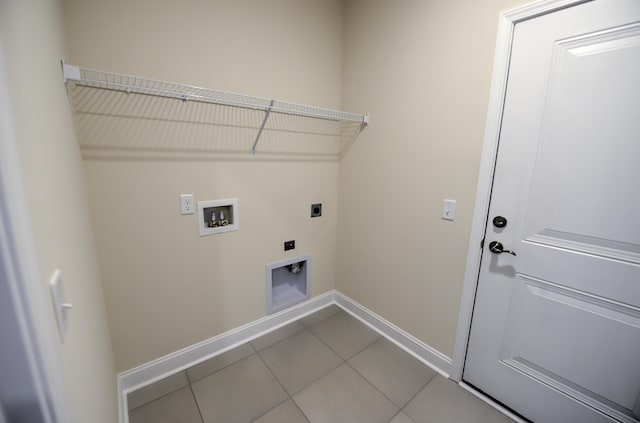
(177, 407)
(443, 401)
(238, 393)
(345, 334)
(321, 315)
(219, 362)
(287, 412)
(156, 390)
(344, 396)
(401, 418)
(394, 372)
(299, 360)
(276, 336)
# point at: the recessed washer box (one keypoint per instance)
(217, 216)
(288, 283)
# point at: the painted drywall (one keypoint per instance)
(422, 70)
(32, 36)
(166, 287)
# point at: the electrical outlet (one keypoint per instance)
(186, 204)
(289, 245)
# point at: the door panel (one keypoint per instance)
(555, 333)
(545, 316)
(591, 204)
(599, 276)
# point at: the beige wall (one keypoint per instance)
(422, 70)
(166, 287)
(31, 33)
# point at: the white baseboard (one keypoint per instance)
(153, 371)
(162, 367)
(418, 349)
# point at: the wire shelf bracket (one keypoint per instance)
(139, 85)
(264, 122)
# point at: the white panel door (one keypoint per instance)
(555, 333)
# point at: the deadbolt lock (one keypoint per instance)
(499, 222)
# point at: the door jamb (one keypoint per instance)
(506, 26)
(27, 336)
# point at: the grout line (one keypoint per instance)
(340, 310)
(367, 346)
(342, 360)
(308, 329)
(160, 396)
(398, 413)
(314, 380)
(345, 361)
(400, 408)
(380, 336)
(189, 381)
(272, 408)
(383, 327)
(256, 352)
(319, 377)
(374, 386)
(418, 393)
(274, 331)
(300, 409)
(221, 368)
(327, 345)
(196, 401)
(289, 397)
(162, 367)
(274, 375)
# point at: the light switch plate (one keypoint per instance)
(449, 209)
(60, 306)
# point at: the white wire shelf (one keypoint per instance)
(139, 85)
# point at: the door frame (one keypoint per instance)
(28, 336)
(506, 26)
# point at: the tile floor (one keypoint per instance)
(326, 367)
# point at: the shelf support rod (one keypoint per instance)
(264, 122)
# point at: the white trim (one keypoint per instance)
(488, 400)
(418, 349)
(162, 367)
(506, 28)
(26, 328)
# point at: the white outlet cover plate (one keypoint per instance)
(187, 205)
(449, 209)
